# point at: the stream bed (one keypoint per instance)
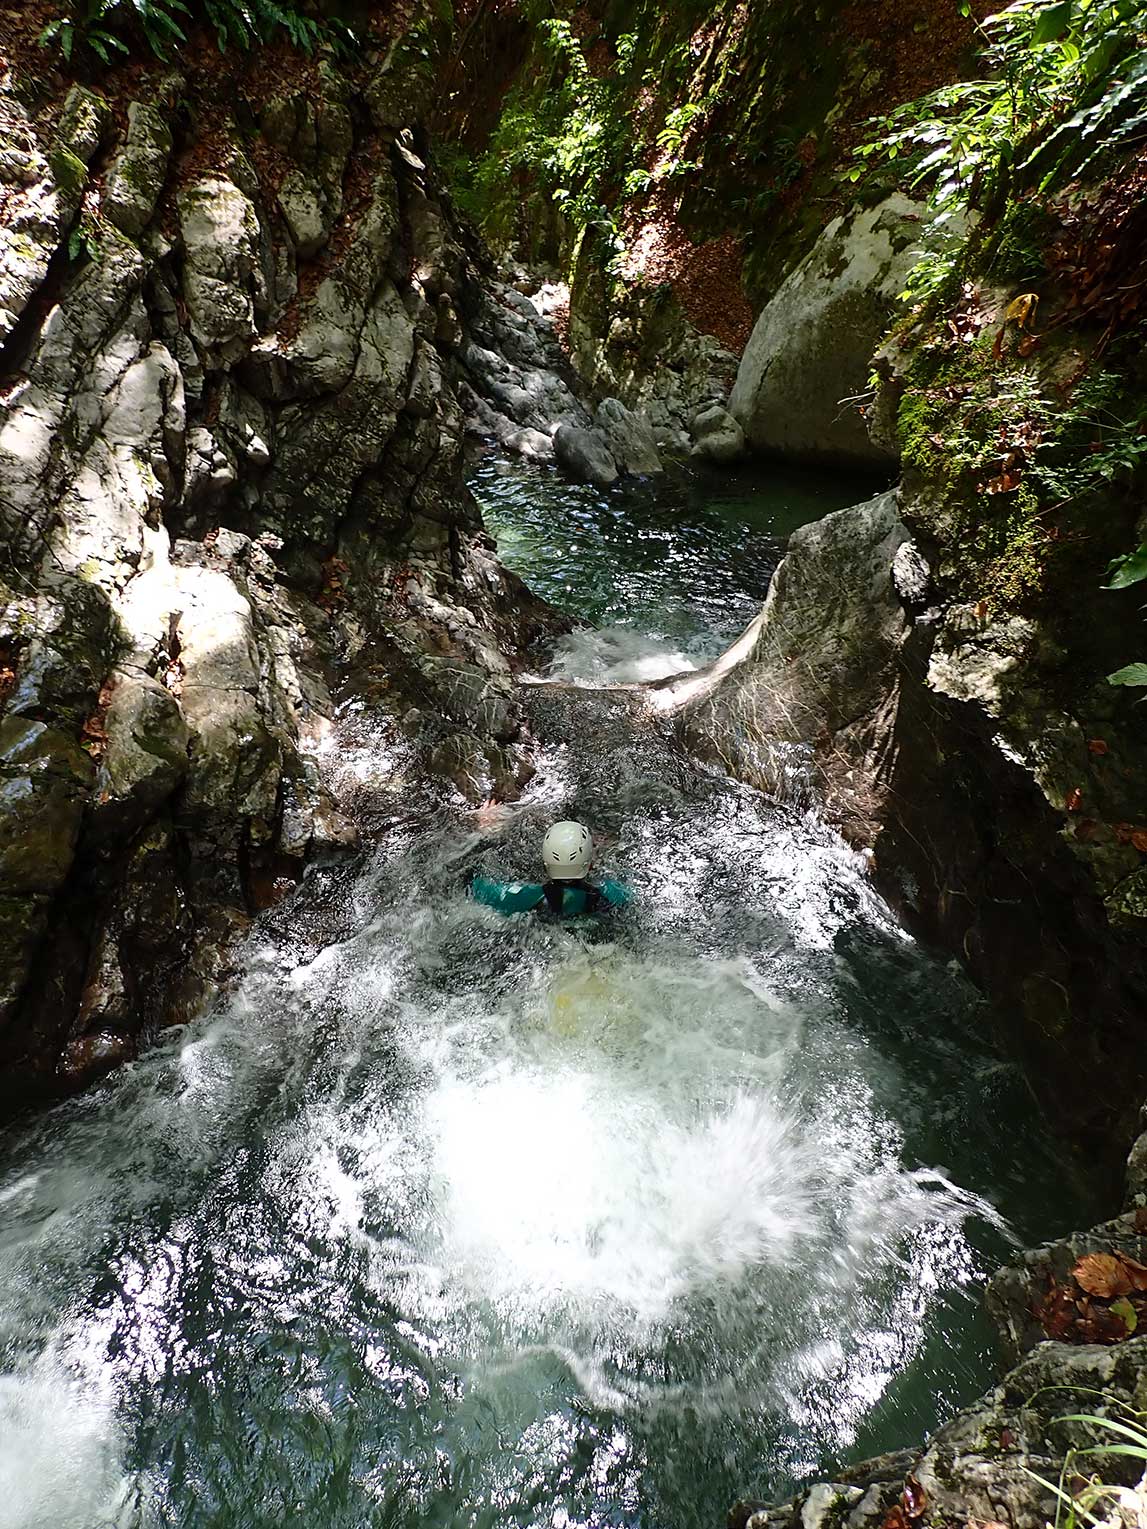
(447, 1219)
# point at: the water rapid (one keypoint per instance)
(447, 1219)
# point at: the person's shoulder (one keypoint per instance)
(614, 892)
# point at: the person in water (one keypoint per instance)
(567, 855)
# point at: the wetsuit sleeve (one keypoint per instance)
(614, 893)
(506, 896)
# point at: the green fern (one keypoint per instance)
(109, 27)
(1064, 83)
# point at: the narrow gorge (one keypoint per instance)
(724, 426)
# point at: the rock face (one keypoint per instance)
(632, 341)
(629, 437)
(812, 346)
(584, 455)
(821, 668)
(935, 740)
(717, 437)
(519, 390)
(226, 455)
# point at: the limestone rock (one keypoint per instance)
(717, 437)
(911, 575)
(819, 666)
(472, 696)
(235, 762)
(91, 1056)
(137, 174)
(42, 187)
(629, 438)
(984, 1464)
(302, 205)
(478, 770)
(145, 756)
(531, 445)
(44, 778)
(222, 275)
(585, 455)
(180, 377)
(23, 921)
(632, 341)
(812, 345)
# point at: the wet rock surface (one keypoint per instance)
(520, 390)
(231, 450)
(947, 746)
(984, 1464)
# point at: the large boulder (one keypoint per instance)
(811, 349)
(629, 437)
(1001, 824)
(809, 698)
(585, 455)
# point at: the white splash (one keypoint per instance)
(615, 655)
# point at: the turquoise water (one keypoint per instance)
(686, 561)
(452, 1220)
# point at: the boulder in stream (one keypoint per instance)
(585, 455)
(717, 437)
(811, 349)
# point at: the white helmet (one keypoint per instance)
(567, 851)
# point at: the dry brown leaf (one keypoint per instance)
(1103, 1275)
(914, 1499)
(1136, 1272)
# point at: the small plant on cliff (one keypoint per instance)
(107, 27)
(1078, 1496)
(1124, 571)
(1065, 82)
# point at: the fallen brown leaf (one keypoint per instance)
(1102, 1274)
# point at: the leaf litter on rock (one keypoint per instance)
(1103, 1300)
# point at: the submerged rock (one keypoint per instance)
(629, 437)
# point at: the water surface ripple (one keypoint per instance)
(446, 1219)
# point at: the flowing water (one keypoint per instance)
(448, 1219)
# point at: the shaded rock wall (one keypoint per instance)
(858, 693)
(230, 455)
(632, 340)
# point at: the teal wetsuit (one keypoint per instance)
(576, 897)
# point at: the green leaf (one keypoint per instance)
(1123, 1308)
(1130, 674)
(1135, 1451)
(1052, 23)
(1129, 569)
